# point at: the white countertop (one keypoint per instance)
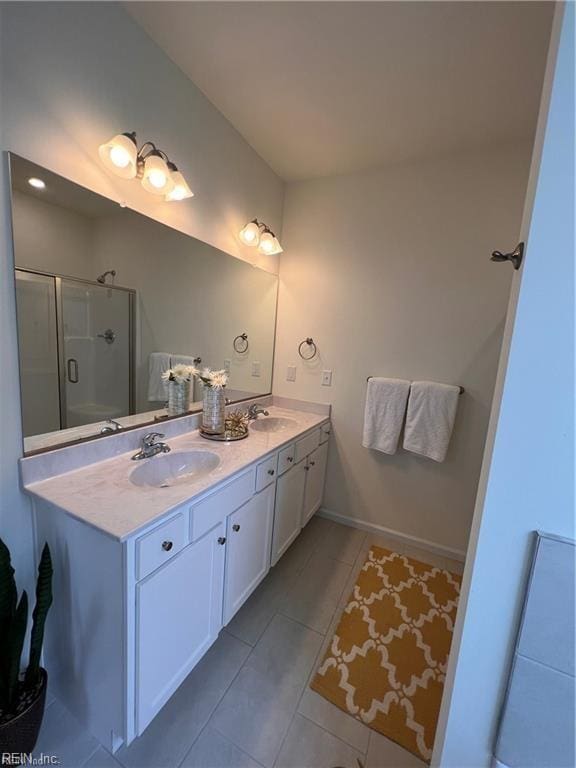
(103, 496)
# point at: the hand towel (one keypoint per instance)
(384, 413)
(158, 362)
(430, 418)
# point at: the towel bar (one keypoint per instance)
(462, 390)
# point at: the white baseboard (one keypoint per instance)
(431, 546)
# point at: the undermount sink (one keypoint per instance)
(174, 468)
(272, 424)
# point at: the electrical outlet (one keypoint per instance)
(326, 378)
(256, 368)
(227, 364)
(291, 373)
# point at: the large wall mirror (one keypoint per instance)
(105, 296)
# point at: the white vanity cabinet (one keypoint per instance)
(288, 511)
(315, 476)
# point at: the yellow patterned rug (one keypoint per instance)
(387, 660)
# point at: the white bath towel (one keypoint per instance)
(384, 413)
(430, 418)
(158, 362)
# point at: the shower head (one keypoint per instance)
(102, 277)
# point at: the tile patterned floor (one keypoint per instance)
(247, 704)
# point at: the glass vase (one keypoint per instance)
(213, 411)
(178, 398)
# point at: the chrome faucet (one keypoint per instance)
(255, 410)
(150, 447)
(110, 426)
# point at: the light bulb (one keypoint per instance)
(36, 183)
(250, 235)
(181, 189)
(119, 155)
(156, 177)
(269, 244)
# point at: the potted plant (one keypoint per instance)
(22, 697)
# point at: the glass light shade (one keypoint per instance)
(181, 190)
(156, 177)
(269, 244)
(250, 235)
(119, 156)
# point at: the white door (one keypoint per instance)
(248, 543)
(315, 476)
(288, 509)
(179, 615)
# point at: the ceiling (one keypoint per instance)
(323, 88)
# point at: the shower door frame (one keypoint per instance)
(62, 372)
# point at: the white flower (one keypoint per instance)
(179, 373)
(218, 379)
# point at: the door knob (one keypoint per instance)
(236, 527)
(167, 545)
(222, 540)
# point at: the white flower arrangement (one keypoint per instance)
(180, 373)
(212, 379)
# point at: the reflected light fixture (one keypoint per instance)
(157, 173)
(256, 233)
(37, 183)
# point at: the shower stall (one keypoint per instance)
(76, 346)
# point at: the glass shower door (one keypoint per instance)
(96, 352)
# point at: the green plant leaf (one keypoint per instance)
(8, 598)
(16, 634)
(43, 603)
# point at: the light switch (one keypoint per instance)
(326, 378)
(291, 373)
(227, 364)
(256, 368)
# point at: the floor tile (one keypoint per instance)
(102, 759)
(334, 720)
(314, 597)
(341, 542)
(212, 750)
(172, 732)
(385, 753)
(257, 709)
(63, 736)
(309, 746)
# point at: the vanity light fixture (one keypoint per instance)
(256, 233)
(37, 183)
(157, 173)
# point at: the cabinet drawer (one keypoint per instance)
(306, 445)
(266, 472)
(161, 544)
(325, 430)
(286, 458)
(216, 507)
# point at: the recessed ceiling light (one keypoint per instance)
(36, 183)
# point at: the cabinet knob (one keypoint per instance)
(290, 459)
(307, 469)
(236, 527)
(312, 463)
(270, 471)
(222, 540)
(167, 545)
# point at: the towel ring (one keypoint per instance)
(311, 346)
(240, 343)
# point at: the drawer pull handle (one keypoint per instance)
(270, 472)
(222, 540)
(167, 545)
(236, 527)
(290, 459)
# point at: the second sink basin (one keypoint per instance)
(272, 424)
(175, 468)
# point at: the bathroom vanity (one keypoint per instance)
(151, 561)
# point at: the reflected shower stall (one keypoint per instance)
(76, 351)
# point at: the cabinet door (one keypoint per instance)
(249, 539)
(178, 615)
(315, 476)
(288, 509)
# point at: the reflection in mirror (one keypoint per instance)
(107, 299)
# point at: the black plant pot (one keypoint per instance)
(21, 733)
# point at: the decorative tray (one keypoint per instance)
(225, 437)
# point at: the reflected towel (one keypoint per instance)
(384, 413)
(183, 360)
(430, 418)
(158, 362)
